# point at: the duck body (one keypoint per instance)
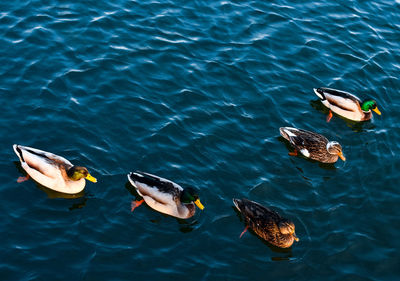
(49, 170)
(312, 145)
(162, 195)
(266, 223)
(346, 104)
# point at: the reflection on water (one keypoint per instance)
(132, 190)
(79, 205)
(55, 194)
(187, 225)
(201, 90)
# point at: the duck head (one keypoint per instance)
(286, 227)
(370, 104)
(76, 173)
(335, 148)
(189, 195)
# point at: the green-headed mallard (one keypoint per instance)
(312, 145)
(52, 171)
(266, 223)
(346, 104)
(164, 195)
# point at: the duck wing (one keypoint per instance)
(262, 220)
(161, 190)
(44, 167)
(340, 99)
(302, 138)
(307, 142)
(256, 213)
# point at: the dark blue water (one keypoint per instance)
(195, 91)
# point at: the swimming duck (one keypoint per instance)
(164, 195)
(266, 223)
(346, 104)
(312, 145)
(52, 171)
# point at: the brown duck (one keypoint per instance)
(266, 223)
(312, 145)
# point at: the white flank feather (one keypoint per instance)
(289, 133)
(305, 152)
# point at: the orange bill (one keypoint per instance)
(376, 110)
(198, 204)
(90, 178)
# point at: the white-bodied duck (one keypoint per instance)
(164, 195)
(52, 171)
(347, 105)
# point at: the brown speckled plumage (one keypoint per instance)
(265, 223)
(310, 144)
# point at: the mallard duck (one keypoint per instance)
(312, 145)
(52, 171)
(266, 223)
(164, 195)
(346, 104)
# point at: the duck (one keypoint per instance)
(164, 195)
(266, 223)
(52, 171)
(346, 105)
(312, 145)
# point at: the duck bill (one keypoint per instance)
(90, 178)
(376, 110)
(342, 156)
(198, 204)
(296, 238)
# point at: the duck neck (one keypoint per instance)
(186, 209)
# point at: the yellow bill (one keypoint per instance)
(377, 111)
(296, 238)
(198, 204)
(342, 156)
(90, 178)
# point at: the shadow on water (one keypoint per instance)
(79, 205)
(132, 190)
(354, 125)
(186, 225)
(285, 254)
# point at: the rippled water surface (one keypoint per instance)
(195, 91)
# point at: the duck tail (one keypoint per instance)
(18, 151)
(132, 178)
(320, 93)
(238, 204)
(284, 132)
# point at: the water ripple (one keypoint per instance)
(196, 92)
